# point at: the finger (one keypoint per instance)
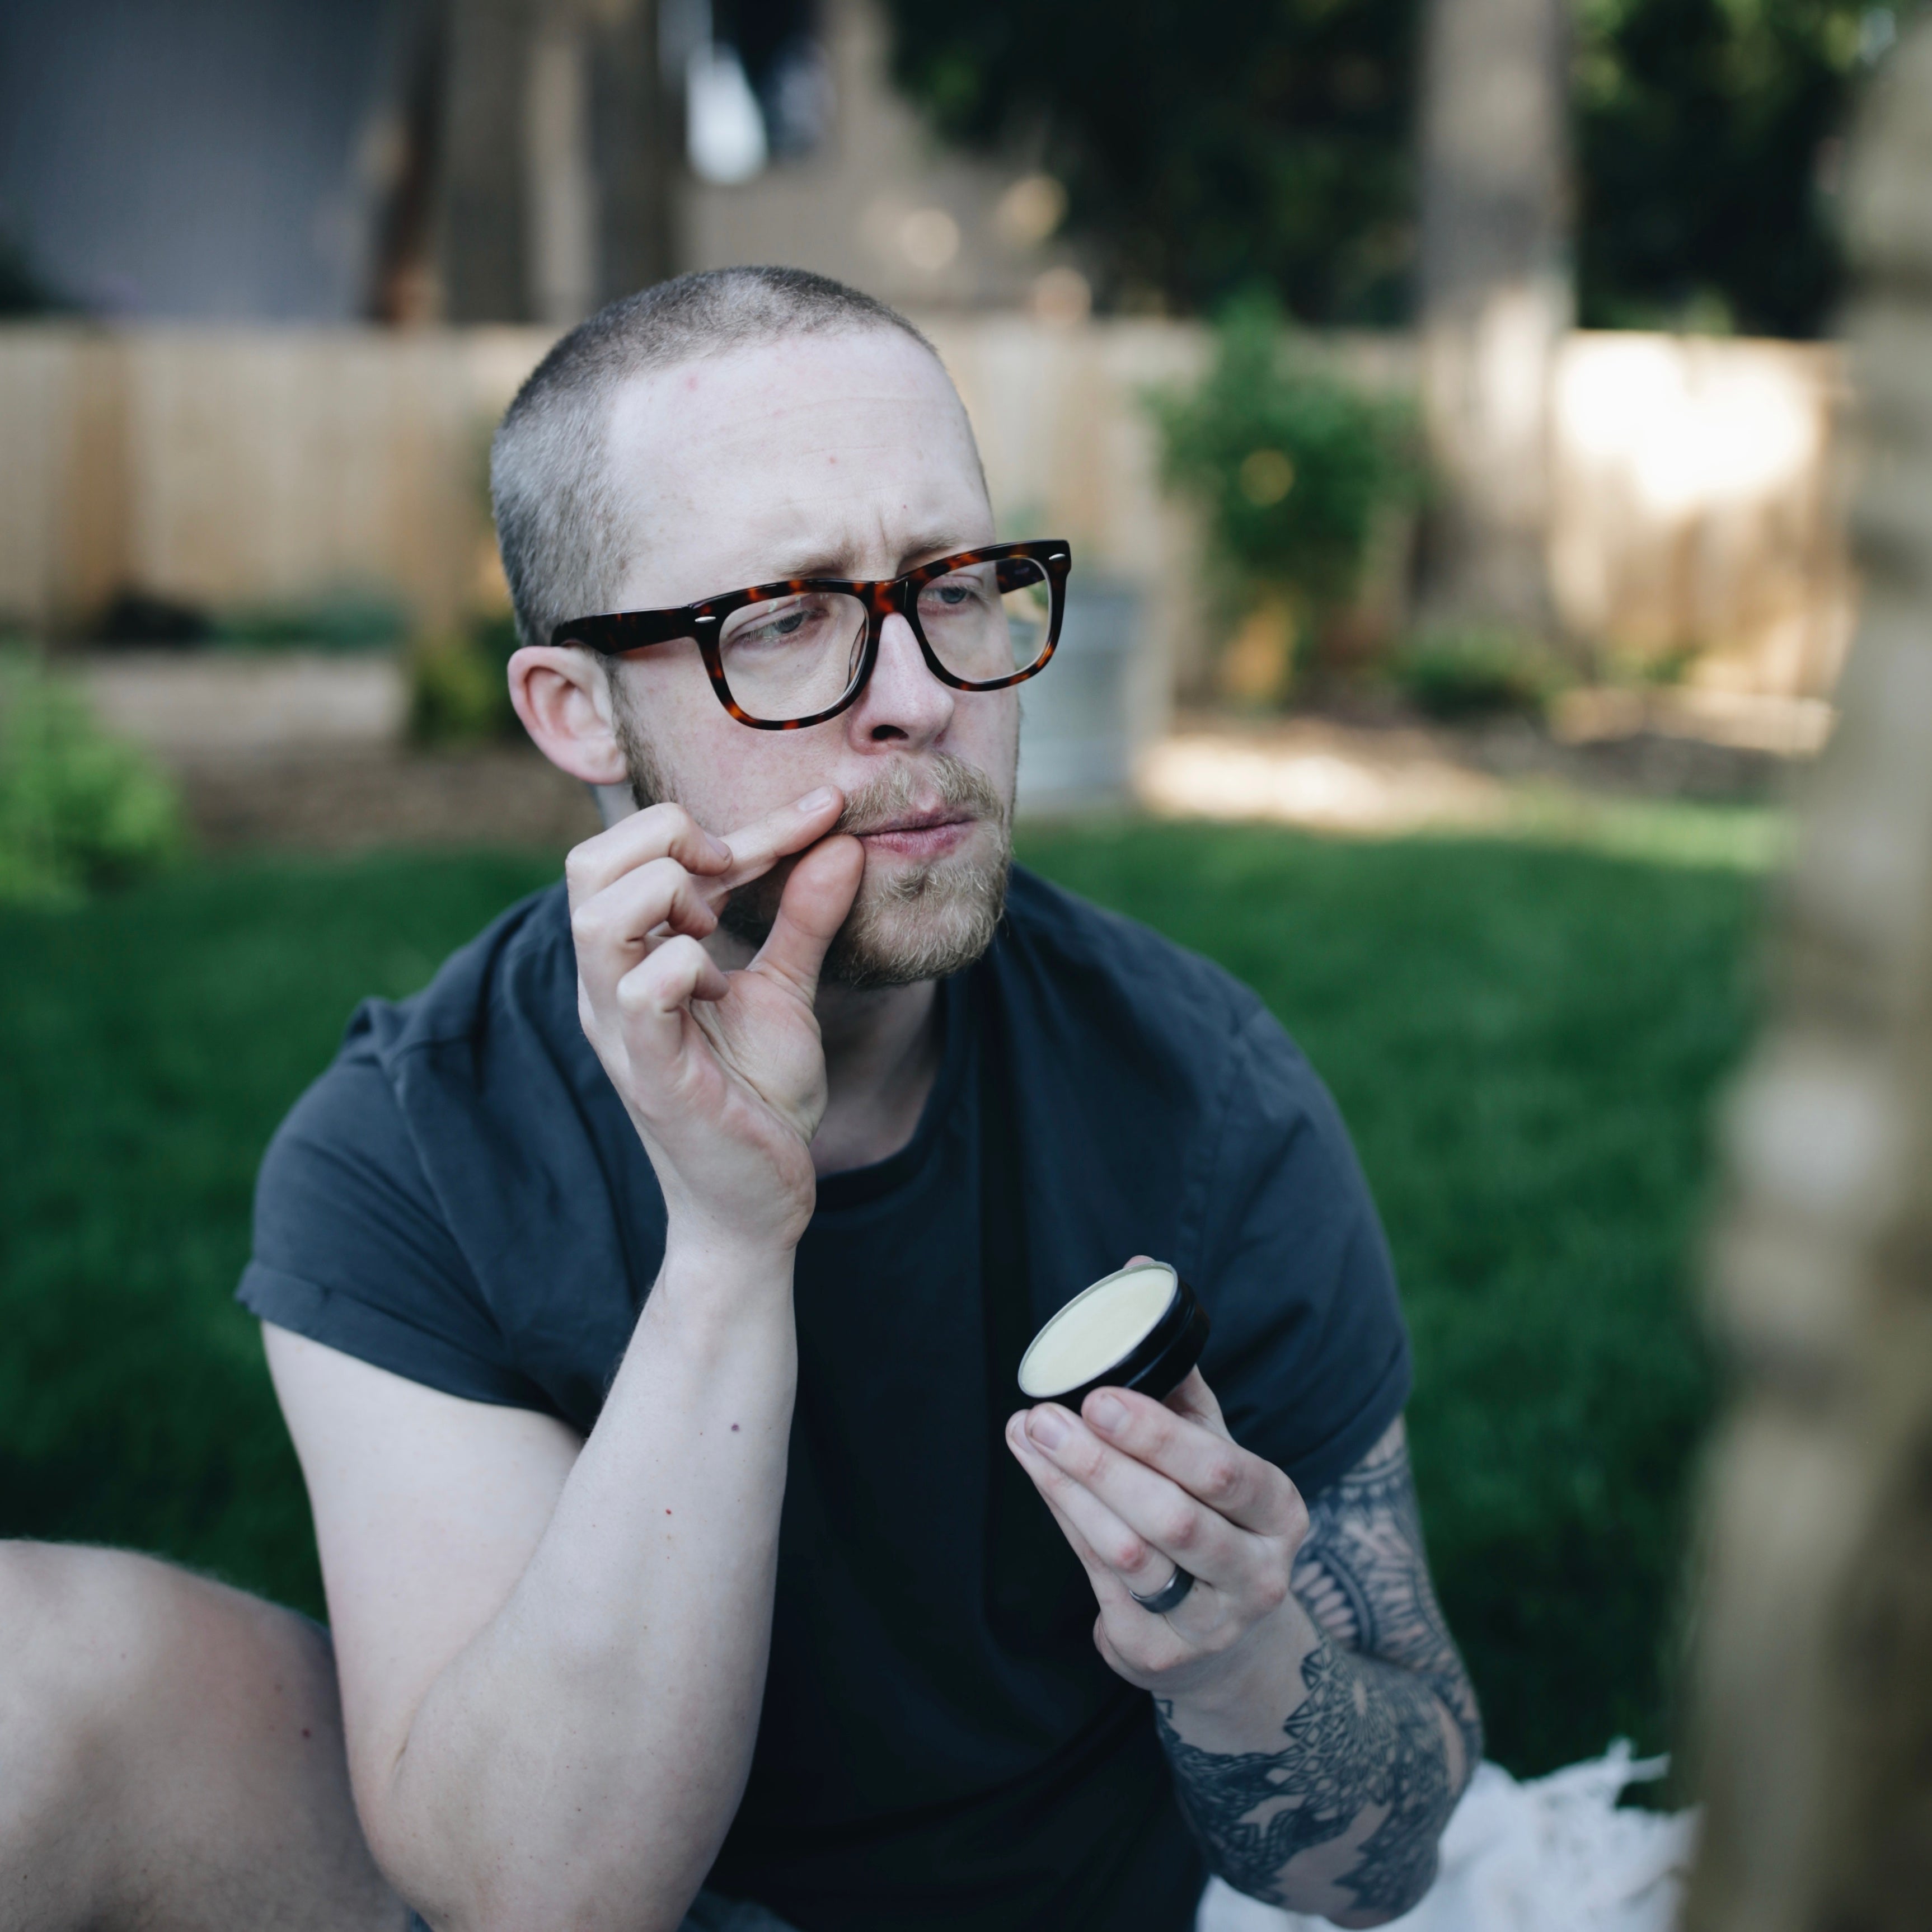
(1194, 1398)
(817, 896)
(653, 996)
(1143, 1526)
(757, 847)
(1231, 1481)
(1109, 1587)
(612, 927)
(663, 831)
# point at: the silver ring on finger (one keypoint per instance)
(1168, 1596)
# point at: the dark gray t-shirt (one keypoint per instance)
(461, 1199)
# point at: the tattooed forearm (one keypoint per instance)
(1363, 1577)
(1366, 1762)
(1366, 1736)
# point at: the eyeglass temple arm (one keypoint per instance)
(627, 630)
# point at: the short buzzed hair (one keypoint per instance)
(558, 523)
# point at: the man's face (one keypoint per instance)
(844, 456)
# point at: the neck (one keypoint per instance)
(881, 1056)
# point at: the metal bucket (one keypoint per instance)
(1076, 718)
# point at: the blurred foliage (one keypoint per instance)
(1456, 674)
(1206, 148)
(146, 621)
(1291, 466)
(79, 809)
(1708, 133)
(1526, 1041)
(350, 619)
(459, 686)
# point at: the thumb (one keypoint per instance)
(817, 896)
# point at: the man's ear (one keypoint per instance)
(563, 696)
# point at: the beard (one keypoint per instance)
(919, 922)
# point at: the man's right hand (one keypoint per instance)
(723, 1074)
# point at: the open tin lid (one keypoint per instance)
(1142, 1327)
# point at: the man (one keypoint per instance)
(644, 1297)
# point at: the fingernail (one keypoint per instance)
(815, 801)
(1108, 1412)
(1047, 1427)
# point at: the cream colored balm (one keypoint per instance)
(1138, 1328)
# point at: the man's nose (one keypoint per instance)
(903, 704)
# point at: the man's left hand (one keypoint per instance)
(1142, 1488)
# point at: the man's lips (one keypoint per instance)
(921, 834)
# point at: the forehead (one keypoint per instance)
(847, 455)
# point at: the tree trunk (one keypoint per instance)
(1495, 302)
(556, 169)
(633, 152)
(1814, 1660)
(483, 260)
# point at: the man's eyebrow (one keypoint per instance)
(923, 550)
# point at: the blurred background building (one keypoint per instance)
(485, 160)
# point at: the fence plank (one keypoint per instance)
(1695, 503)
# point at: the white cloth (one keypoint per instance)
(1552, 1855)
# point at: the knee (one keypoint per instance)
(105, 1642)
(146, 1720)
(76, 1647)
(66, 1663)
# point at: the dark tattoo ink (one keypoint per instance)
(1363, 1575)
(1366, 1735)
(1366, 1751)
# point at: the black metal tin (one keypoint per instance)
(1157, 1364)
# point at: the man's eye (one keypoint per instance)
(952, 592)
(783, 627)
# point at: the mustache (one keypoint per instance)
(909, 784)
(906, 787)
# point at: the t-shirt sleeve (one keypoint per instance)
(1310, 1357)
(351, 1250)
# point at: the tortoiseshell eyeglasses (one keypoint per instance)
(784, 655)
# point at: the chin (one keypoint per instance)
(913, 923)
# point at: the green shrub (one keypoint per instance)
(78, 808)
(348, 619)
(1474, 674)
(459, 685)
(1291, 465)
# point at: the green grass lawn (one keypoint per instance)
(1526, 1041)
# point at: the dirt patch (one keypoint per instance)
(351, 801)
(1392, 773)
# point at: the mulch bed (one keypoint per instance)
(352, 801)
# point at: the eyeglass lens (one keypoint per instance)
(791, 657)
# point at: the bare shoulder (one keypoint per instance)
(428, 1508)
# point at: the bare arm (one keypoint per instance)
(1316, 1717)
(551, 1659)
(552, 1653)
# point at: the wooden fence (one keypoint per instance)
(1695, 504)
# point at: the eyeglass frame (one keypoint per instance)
(883, 598)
